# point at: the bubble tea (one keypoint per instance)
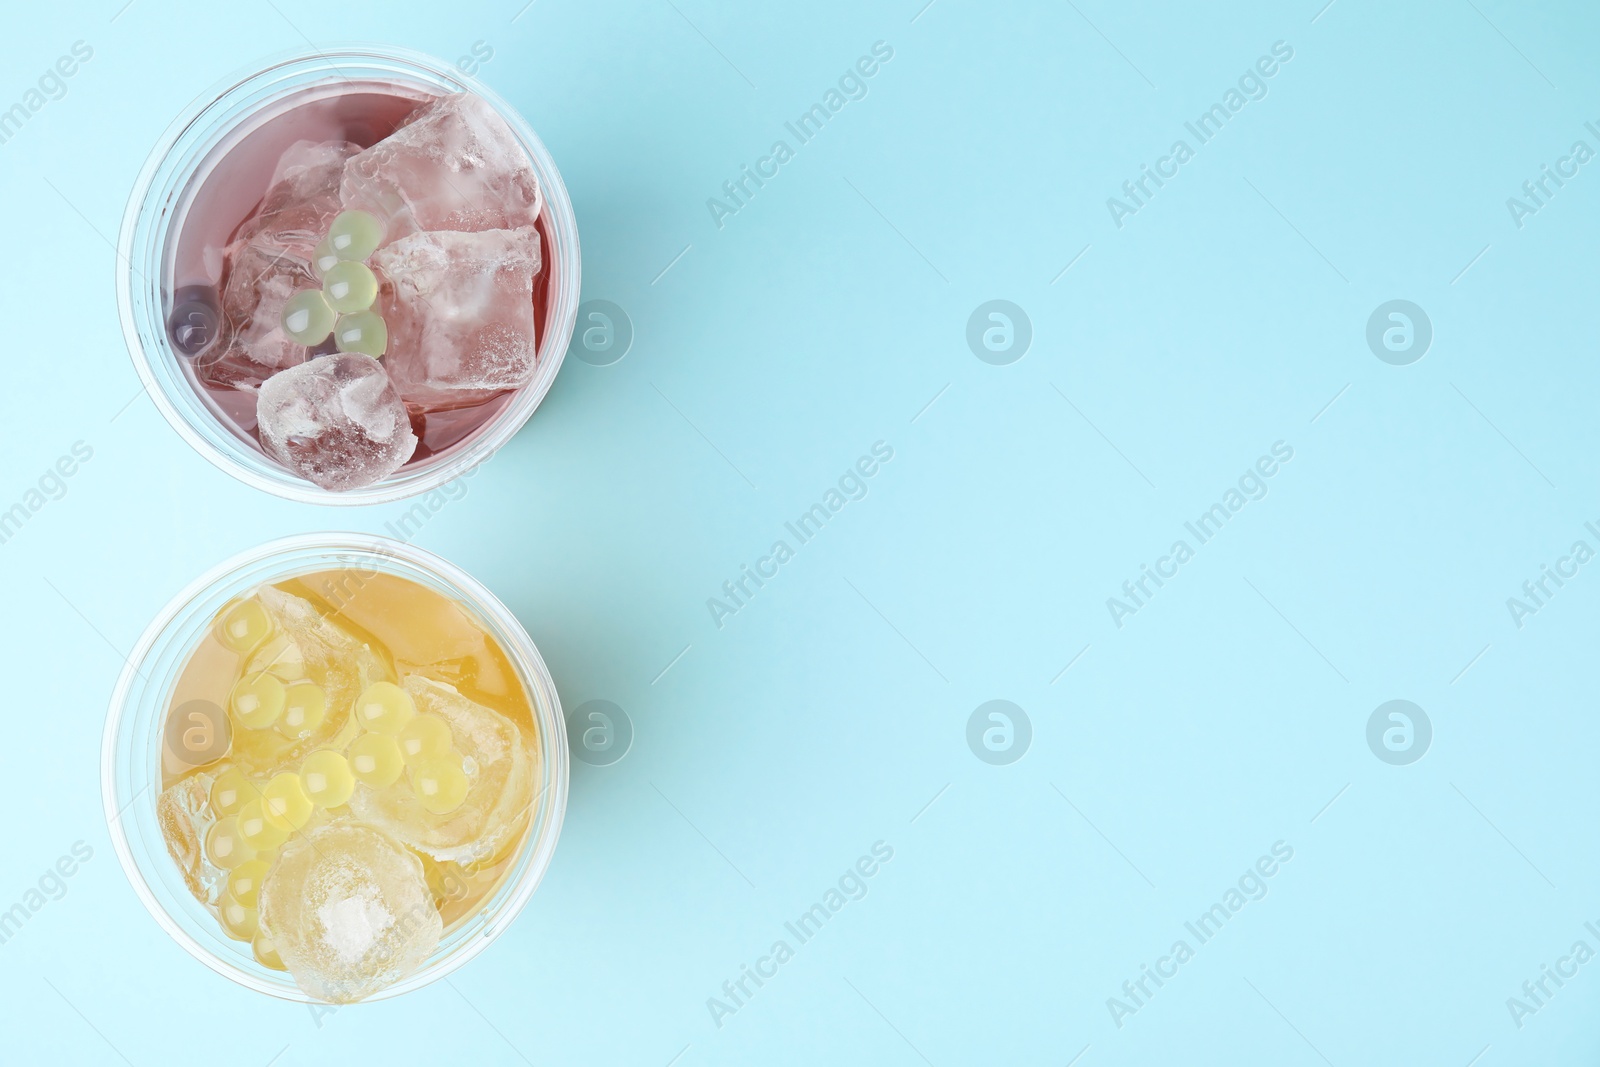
(347, 775)
(359, 279)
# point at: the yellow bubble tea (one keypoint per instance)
(257, 700)
(375, 759)
(284, 802)
(426, 737)
(243, 626)
(239, 921)
(257, 831)
(231, 791)
(385, 708)
(244, 882)
(226, 846)
(440, 784)
(305, 706)
(266, 953)
(327, 778)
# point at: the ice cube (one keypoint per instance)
(302, 198)
(310, 646)
(336, 421)
(349, 910)
(183, 811)
(459, 307)
(499, 785)
(269, 260)
(261, 278)
(453, 165)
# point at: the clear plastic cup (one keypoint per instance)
(132, 750)
(164, 192)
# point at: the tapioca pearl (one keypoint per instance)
(257, 700)
(266, 953)
(195, 320)
(355, 234)
(440, 784)
(225, 845)
(244, 882)
(323, 257)
(327, 778)
(258, 831)
(230, 791)
(239, 921)
(363, 332)
(305, 707)
(348, 287)
(375, 759)
(425, 737)
(307, 318)
(385, 708)
(243, 626)
(284, 802)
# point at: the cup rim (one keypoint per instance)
(553, 739)
(247, 464)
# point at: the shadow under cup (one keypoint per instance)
(131, 757)
(211, 168)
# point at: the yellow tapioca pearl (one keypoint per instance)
(425, 737)
(231, 791)
(440, 784)
(327, 778)
(266, 952)
(226, 846)
(284, 801)
(244, 882)
(243, 626)
(257, 831)
(375, 759)
(305, 705)
(257, 700)
(385, 708)
(239, 921)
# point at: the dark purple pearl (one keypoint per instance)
(195, 319)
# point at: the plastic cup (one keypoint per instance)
(131, 754)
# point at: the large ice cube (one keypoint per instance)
(335, 420)
(269, 260)
(459, 307)
(453, 165)
(499, 785)
(302, 198)
(306, 645)
(183, 811)
(349, 911)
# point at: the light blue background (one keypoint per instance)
(1222, 718)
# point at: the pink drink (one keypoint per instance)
(228, 198)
